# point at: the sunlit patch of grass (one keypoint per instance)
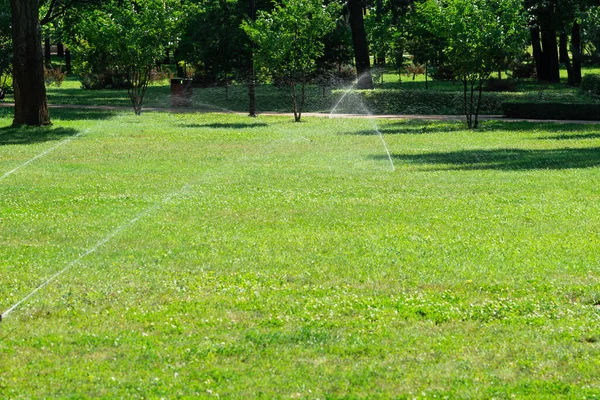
(261, 257)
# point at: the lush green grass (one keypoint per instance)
(277, 259)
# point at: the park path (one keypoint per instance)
(315, 114)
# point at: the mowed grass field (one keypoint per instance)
(221, 256)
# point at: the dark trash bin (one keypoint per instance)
(181, 92)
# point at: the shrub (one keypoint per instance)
(500, 85)
(159, 74)
(54, 76)
(563, 111)
(590, 84)
(414, 70)
(345, 76)
(441, 73)
(523, 67)
(108, 79)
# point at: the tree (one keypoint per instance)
(543, 30)
(478, 33)
(31, 104)
(360, 44)
(387, 29)
(424, 43)
(132, 35)
(288, 43)
(6, 49)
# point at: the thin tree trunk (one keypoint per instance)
(60, 50)
(302, 99)
(361, 47)
(576, 52)
(252, 93)
(47, 54)
(478, 109)
(294, 102)
(465, 101)
(252, 77)
(68, 61)
(563, 53)
(537, 53)
(31, 104)
(471, 102)
(564, 57)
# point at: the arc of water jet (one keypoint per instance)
(43, 154)
(348, 89)
(370, 115)
(102, 242)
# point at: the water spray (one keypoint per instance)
(369, 114)
(67, 140)
(102, 242)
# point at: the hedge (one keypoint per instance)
(428, 102)
(563, 111)
(590, 84)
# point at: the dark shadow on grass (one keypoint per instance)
(419, 127)
(225, 126)
(78, 114)
(29, 135)
(409, 129)
(88, 97)
(504, 159)
(572, 137)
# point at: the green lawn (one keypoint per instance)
(264, 258)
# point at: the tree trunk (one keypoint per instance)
(550, 53)
(47, 54)
(252, 71)
(563, 53)
(31, 104)
(68, 61)
(564, 57)
(537, 52)
(576, 52)
(60, 50)
(252, 93)
(361, 47)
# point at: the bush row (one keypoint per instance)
(428, 102)
(564, 111)
(386, 101)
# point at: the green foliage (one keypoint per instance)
(590, 84)
(6, 49)
(387, 32)
(288, 43)
(591, 30)
(548, 110)
(128, 38)
(213, 41)
(480, 35)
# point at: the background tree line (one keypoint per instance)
(122, 43)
